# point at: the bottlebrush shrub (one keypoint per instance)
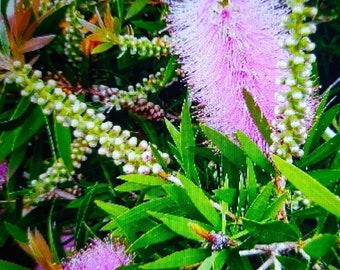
(97, 137)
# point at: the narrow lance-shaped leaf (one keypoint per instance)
(228, 149)
(36, 43)
(254, 152)
(188, 141)
(258, 117)
(259, 205)
(179, 259)
(180, 225)
(158, 234)
(310, 187)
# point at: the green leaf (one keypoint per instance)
(146, 180)
(228, 149)
(188, 141)
(82, 215)
(120, 9)
(221, 259)
(102, 47)
(272, 211)
(182, 199)
(179, 259)
(322, 152)
(259, 205)
(111, 208)
(170, 69)
(258, 117)
(152, 26)
(136, 220)
(18, 234)
(18, 116)
(228, 195)
(207, 264)
(251, 182)
(32, 124)
(310, 187)
(201, 202)
(129, 187)
(176, 136)
(136, 7)
(63, 139)
(270, 232)
(322, 121)
(12, 266)
(158, 234)
(292, 263)
(254, 152)
(13, 139)
(326, 177)
(181, 225)
(51, 236)
(320, 246)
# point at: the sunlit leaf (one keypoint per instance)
(179, 259)
(310, 187)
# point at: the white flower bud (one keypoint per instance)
(77, 133)
(288, 139)
(282, 64)
(117, 129)
(290, 82)
(297, 95)
(39, 85)
(156, 168)
(132, 156)
(126, 133)
(106, 126)
(116, 154)
(89, 124)
(289, 112)
(58, 106)
(52, 83)
(143, 145)
(74, 123)
(291, 42)
(132, 141)
(146, 156)
(143, 170)
(90, 138)
(128, 168)
(37, 74)
(298, 60)
(118, 141)
(280, 97)
(281, 127)
(102, 151)
(58, 91)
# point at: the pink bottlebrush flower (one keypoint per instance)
(3, 174)
(103, 255)
(225, 48)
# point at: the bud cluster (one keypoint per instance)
(134, 98)
(73, 35)
(295, 105)
(89, 128)
(157, 47)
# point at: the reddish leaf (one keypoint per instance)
(37, 43)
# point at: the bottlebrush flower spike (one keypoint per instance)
(225, 47)
(106, 254)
